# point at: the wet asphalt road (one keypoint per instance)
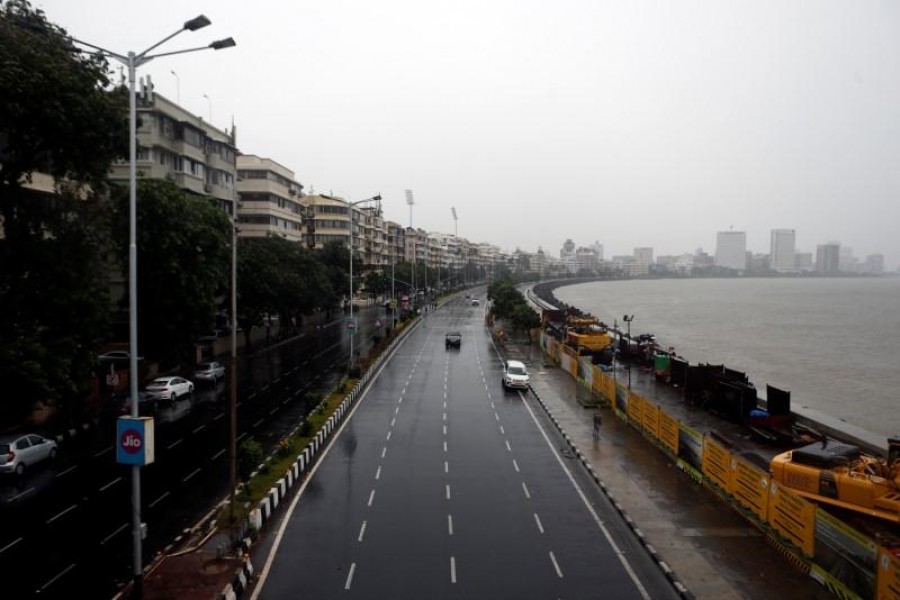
(66, 525)
(442, 485)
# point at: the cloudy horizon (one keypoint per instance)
(629, 124)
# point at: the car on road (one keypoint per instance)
(209, 371)
(453, 339)
(170, 388)
(23, 450)
(515, 375)
(475, 302)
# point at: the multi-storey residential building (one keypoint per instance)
(781, 250)
(270, 199)
(177, 145)
(396, 242)
(731, 250)
(327, 219)
(828, 257)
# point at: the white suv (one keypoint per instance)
(515, 375)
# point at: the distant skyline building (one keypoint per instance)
(828, 258)
(782, 250)
(731, 250)
(643, 258)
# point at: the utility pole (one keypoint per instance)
(410, 202)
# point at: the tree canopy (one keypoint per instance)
(183, 263)
(57, 117)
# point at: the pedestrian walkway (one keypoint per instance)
(713, 551)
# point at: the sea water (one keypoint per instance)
(834, 343)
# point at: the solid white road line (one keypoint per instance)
(383, 451)
(158, 500)
(378, 473)
(192, 473)
(198, 429)
(388, 436)
(446, 467)
(393, 421)
(450, 524)
(102, 452)
(67, 471)
(445, 430)
(371, 497)
(497, 417)
(58, 515)
(21, 494)
(55, 577)
(516, 466)
(621, 555)
(452, 570)
(258, 423)
(217, 454)
(525, 489)
(447, 491)
(445, 445)
(537, 520)
(502, 431)
(508, 447)
(173, 444)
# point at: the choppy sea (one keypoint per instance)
(833, 342)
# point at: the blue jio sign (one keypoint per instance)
(134, 441)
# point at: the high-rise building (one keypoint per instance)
(828, 258)
(781, 250)
(731, 250)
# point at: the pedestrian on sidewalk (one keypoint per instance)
(598, 420)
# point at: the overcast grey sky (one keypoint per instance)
(628, 123)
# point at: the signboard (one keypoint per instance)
(134, 441)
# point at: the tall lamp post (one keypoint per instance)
(410, 201)
(352, 324)
(456, 240)
(628, 319)
(133, 61)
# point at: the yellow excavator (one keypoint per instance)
(842, 475)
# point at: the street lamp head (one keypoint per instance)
(196, 23)
(377, 198)
(220, 44)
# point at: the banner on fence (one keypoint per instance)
(750, 486)
(844, 559)
(651, 419)
(793, 517)
(668, 431)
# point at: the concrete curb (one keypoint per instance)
(667, 571)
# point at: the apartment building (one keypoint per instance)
(177, 145)
(270, 199)
(326, 219)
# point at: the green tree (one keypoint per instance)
(335, 258)
(58, 118)
(184, 258)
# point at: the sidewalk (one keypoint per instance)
(713, 552)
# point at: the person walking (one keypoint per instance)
(598, 420)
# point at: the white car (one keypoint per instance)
(209, 371)
(18, 451)
(170, 388)
(515, 375)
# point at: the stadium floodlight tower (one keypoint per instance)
(415, 290)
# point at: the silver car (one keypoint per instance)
(209, 371)
(515, 375)
(19, 451)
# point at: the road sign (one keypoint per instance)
(134, 441)
(112, 379)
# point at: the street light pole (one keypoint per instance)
(628, 319)
(350, 205)
(133, 61)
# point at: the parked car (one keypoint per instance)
(453, 339)
(209, 371)
(475, 302)
(515, 375)
(20, 451)
(170, 388)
